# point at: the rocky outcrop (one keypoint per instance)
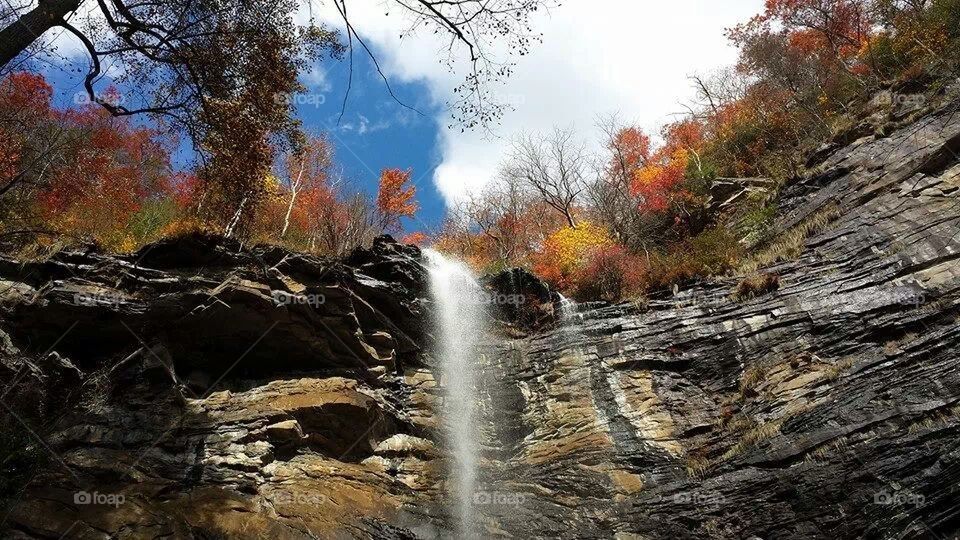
(200, 389)
(520, 301)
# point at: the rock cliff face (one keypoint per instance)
(823, 403)
(198, 389)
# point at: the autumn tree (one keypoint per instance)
(395, 198)
(306, 169)
(566, 250)
(28, 139)
(552, 166)
(614, 204)
(813, 49)
(338, 221)
(659, 182)
(500, 214)
(78, 171)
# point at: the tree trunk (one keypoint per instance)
(231, 227)
(20, 34)
(294, 189)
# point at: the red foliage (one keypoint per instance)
(10, 149)
(24, 91)
(113, 166)
(317, 206)
(186, 190)
(611, 273)
(79, 170)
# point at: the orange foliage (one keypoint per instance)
(418, 238)
(630, 150)
(395, 198)
(659, 182)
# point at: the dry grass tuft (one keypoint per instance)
(697, 467)
(789, 245)
(756, 285)
(753, 436)
(833, 372)
(748, 381)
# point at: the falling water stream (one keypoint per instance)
(460, 325)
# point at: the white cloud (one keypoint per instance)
(317, 79)
(632, 57)
(363, 125)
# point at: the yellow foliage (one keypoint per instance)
(565, 251)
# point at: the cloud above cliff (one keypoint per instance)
(618, 56)
(631, 57)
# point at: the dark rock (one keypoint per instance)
(192, 250)
(519, 298)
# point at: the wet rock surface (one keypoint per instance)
(200, 389)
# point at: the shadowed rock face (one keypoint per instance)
(218, 392)
(201, 390)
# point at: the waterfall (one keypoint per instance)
(460, 323)
(569, 311)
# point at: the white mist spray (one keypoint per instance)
(460, 324)
(569, 313)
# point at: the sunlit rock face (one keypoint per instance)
(827, 407)
(200, 389)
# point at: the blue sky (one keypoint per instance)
(376, 132)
